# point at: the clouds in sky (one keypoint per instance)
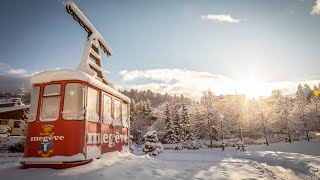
(17, 72)
(11, 78)
(316, 8)
(220, 18)
(193, 83)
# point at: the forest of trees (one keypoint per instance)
(156, 99)
(268, 119)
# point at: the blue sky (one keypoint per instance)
(221, 45)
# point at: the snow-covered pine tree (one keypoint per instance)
(198, 121)
(186, 125)
(148, 109)
(177, 127)
(25, 119)
(132, 112)
(170, 136)
(316, 106)
(152, 146)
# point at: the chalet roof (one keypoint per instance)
(13, 108)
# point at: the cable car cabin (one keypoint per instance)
(73, 119)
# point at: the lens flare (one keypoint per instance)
(71, 92)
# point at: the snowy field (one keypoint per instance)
(300, 160)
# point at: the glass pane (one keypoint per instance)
(73, 107)
(107, 118)
(117, 110)
(16, 124)
(34, 103)
(52, 90)
(125, 112)
(93, 105)
(50, 108)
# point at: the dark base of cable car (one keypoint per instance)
(63, 165)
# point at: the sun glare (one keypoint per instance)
(252, 88)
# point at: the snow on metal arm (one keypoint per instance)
(91, 57)
(78, 16)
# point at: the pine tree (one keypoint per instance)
(188, 134)
(152, 146)
(25, 120)
(170, 134)
(177, 127)
(198, 121)
(132, 110)
(147, 109)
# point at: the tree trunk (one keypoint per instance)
(318, 116)
(265, 135)
(211, 145)
(221, 132)
(307, 132)
(289, 133)
(240, 131)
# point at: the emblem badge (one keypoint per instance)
(45, 144)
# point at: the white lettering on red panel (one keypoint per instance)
(110, 139)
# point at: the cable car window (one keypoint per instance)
(117, 112)
(74, 96)
(34, 104)
(107, 105)
(125, 112)
(52, 90)
(93, 105)
(50, 103)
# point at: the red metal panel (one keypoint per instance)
(63, 138)
(107, 145)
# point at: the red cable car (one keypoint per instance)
(76, 115)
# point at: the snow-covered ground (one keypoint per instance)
(299, 160)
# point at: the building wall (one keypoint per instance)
(14, 114)
(16, 126)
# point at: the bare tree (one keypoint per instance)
(263, 109)
(284, 108)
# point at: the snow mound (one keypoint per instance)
(306, 164)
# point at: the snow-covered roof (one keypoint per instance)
(13, 108)
(72, 74)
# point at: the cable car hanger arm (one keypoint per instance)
(78, 16)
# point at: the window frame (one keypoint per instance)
(98, 102)
(127, 113)
(114, 110)
(37, 104)
(43, 96)
(103, 108)
(84, 101)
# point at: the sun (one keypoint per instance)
(252, 88)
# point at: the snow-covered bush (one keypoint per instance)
(16, 148)
(152, 146)
(178, 147)
(193, 145)
(241, 146)
(14, 144)
(132, 145)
